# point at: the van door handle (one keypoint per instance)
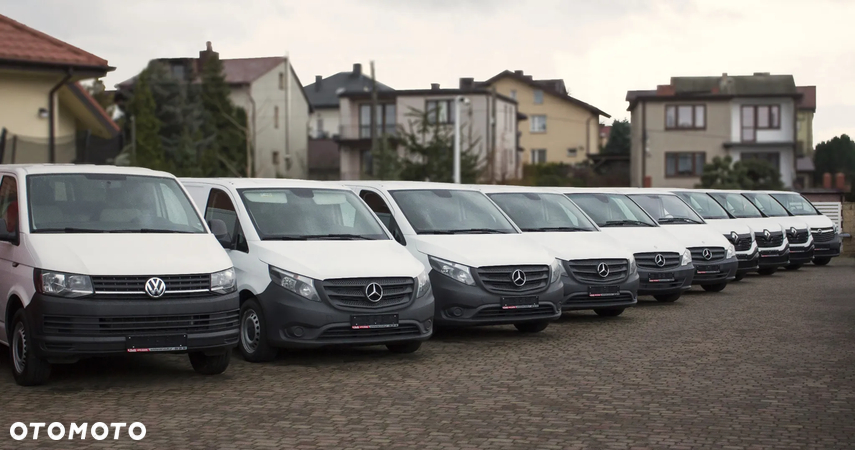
(14, 264)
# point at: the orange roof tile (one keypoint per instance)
(19, 42)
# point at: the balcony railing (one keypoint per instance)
(352, 132)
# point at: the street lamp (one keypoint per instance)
(457, 101)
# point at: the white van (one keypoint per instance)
(102, 260)
(664, 265)
(315, 268)
(598, 272)
(739, 234)
(483, 271)
(798, 232)
(826, 235)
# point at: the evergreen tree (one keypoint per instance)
(142, 107)
(429, 152)
(226, 154)
(836, 155)
(619, 139)
(744, 174)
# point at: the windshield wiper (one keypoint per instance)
(620, 223)
(338, 236)
(284, 238)
(146, 230)
(477, 231)
(69, 230)
(556, 229)
(677, 220)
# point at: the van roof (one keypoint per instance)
(497, 188)
(629, 191)
(404, 185)
(239, 183)
(39, 169)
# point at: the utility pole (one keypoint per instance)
(457, 101)
(287, 112)
(373, 117)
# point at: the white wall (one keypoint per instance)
(330, 119)
(784, 134)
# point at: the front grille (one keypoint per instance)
(349, 334)
(497, 279)
(141, 325)
(648, 260)
(584, 299)
(716, 253)
(587, 270)
(134, 286)
(544, 311)
(801, 237)
(742, 242)
(350, 292)
(823, 234)
(647, 286)
(775, 239)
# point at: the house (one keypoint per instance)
(678, 127)
(276, 105)
(560, 128)
(488, 124)
(46, 115)
(605, 132)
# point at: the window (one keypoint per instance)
(440, 111)
(178, 72)
(685, 117)
(275, 117)
(451, 211)
(773, 158)
(275, 158)
(281, 81)
(538, 124)
(385, 117)
(612, 210)
(220, 207)
(9, 208)
(514, 94)
(538, 156)
(684, 164)
(571, 152)
(538, 97)
(320, 127)
(382, 211)
(542, 212)
(759, 117)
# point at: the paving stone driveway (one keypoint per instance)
(767, 363)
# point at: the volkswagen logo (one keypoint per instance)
(793, 231)
(155, 287)
(374, 292)
(659, 260)
(767, 234)
(734, 237)
(603, 269)
(518, 277)
(707, 254)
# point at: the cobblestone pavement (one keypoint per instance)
(767, 363)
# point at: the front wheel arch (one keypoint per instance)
(12, 306)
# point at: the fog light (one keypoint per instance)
(297, 331)
(456, 312)
(428, 324)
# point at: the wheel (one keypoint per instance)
(793, 267)
(767, 271)
(667, 298)
(253, 337)
(210, 364)
(609, 312)
(27, 368)
(718, 287)
(532, 327)
(740, 276)
(405, 347)
(821, 261)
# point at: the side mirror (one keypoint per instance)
(221, 232)
(5, 235)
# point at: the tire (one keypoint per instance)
(210, 364)
(609, 312)
(793, 267)
(253, 343)
(767, 271)
(404, 347)
(532, 327)
(740, 276)
(718, 287)
(821, 261)
(27, 368)
(667, 298)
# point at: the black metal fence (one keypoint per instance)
(84, 148)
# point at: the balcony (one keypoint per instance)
(363, 132)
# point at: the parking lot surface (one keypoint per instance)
(767, 363)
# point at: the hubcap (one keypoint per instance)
(19, 348)
(250, 331)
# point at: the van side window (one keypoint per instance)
(9, 207)
(220, 206)
(381, 209)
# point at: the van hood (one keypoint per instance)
(758, 224)
(580, 245)
(478, 250)
(324, 260)
(645, 239)
(128, 254)
(696, 235)
(788, 222)
(726, 226)
(820, 221)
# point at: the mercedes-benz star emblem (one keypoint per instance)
(767, 234)
(734, 237)
(374, 292)
(659, 260)
(155, 287)
(603, 269)
(707, 254)
(518, 277)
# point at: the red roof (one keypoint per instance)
(247, 70)
(808, 100)
(19, 42)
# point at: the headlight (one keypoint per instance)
(633, 267)
(423, 284)
(298, 284)
(62, 284)
(730, 252)
(556, 270)
(224, 282)
(687, 258)
(458, 272)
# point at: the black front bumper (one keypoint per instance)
(770, 258)
(67, 328)
(748, 262)
(682, 280)
(802, 255)
(828, 249)
(724, 271)
(577, 296)
(460, 305)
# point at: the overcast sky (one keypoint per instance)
(600, 48)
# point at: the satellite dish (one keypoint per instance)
(339, 90)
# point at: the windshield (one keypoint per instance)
(667, 208)
(612, 210)
(796, 204)
(767, 205)
(737, 205)
(542, 212)
(305, 213)
(445, 211)
(109, 203)
(704, 205)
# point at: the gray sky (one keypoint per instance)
(600, 48)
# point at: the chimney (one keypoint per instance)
(318, 79)
(840, 181)
(529, 77)
(518, 72)
(467, 83)
(761, 74)
(207, 53)
(357, 70)
(826, 180)
(434, 86)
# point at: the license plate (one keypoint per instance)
(371, 322)
(145, 344)
(660, 277)
(707, 269)
(519, 302)
(603, 291)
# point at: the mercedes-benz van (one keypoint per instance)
(664, 264)
(826, 234)
(739, 234)
(598, 272)
(797, 230)
(315, 268)
(483, 271)
(101, 260)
